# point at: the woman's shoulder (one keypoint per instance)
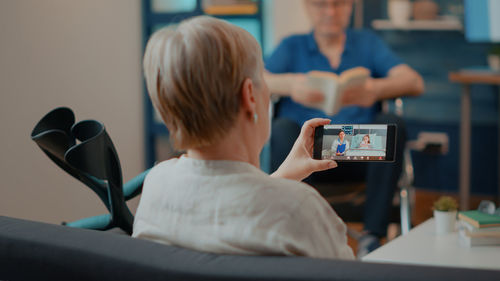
(233, 178)
(160, 168)
(286, 188)
(165, 164)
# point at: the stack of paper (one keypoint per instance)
(478, 229)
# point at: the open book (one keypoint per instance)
(333, 85)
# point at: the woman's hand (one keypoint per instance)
(299, 163)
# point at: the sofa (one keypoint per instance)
(32, 250)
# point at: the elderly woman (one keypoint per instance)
(205, 78)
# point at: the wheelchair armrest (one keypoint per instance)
(134, 186)
(99, 222)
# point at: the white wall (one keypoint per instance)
(289, 18)
(81, 54)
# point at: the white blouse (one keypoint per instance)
(234, 208)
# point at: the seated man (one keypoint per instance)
(333, 47)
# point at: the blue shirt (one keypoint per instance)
(300, 54)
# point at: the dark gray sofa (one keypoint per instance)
(40, 251)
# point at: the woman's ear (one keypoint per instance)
(248, 101)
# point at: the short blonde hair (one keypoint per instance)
(194, 74)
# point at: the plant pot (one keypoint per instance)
(494, 62)
(445, 221)
(399, 11)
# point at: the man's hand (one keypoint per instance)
(364, 95)
(299, 163)
(302, 93)
(401, 80)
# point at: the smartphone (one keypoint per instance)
(356, 142)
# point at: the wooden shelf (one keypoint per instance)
(250, 9)
(439, 24)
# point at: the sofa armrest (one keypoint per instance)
(41, 251)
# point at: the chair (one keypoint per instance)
(85, 151)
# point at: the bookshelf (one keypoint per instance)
(441, 24)
(159, 13)
(448, 15)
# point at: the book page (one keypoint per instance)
(328, 84)
(333, 86)
(354, 76)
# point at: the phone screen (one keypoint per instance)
(360, 142)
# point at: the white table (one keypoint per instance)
(423, 246)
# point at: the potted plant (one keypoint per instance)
(445, 214)
(494, 58)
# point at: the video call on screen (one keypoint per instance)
(354, 142)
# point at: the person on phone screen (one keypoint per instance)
(340, 145)
(333, 46)
(365, 143)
